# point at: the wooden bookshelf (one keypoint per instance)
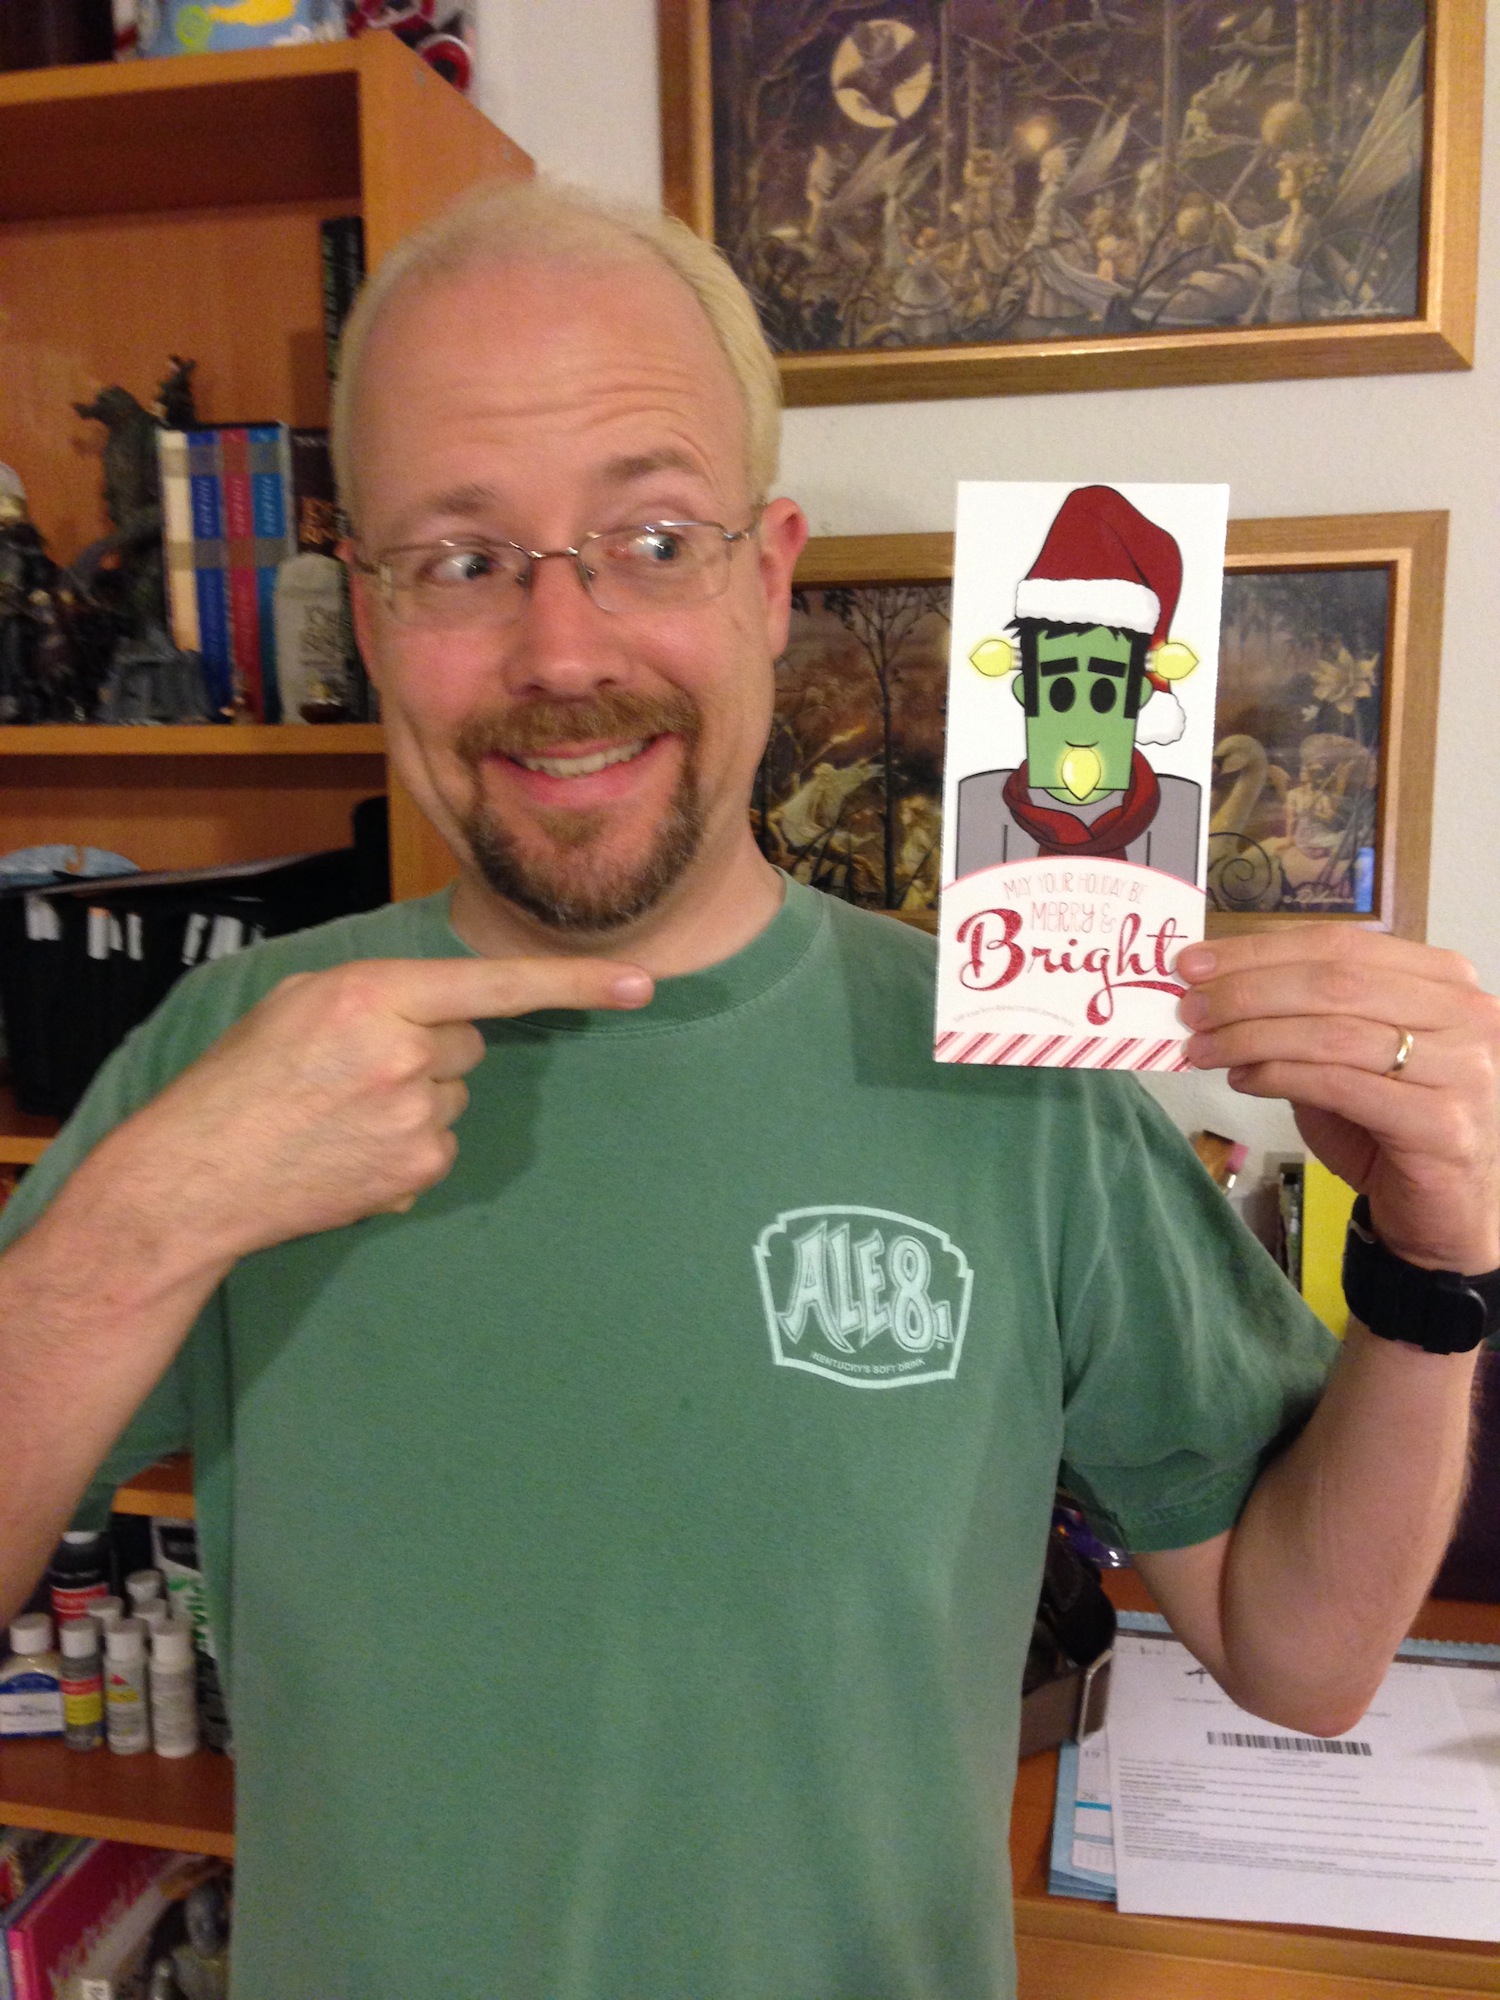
(164, 1489)
(23, 1139)
(250, 739)
(172, 207)
(180, 1802)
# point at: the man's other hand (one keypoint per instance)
(335, 1097)
(1319, 1014)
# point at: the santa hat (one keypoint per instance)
(1104, 563)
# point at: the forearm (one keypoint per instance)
(1341, 1537)
(95, 1300)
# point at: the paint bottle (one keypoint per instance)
(174, 1692)
(31, 1680)
(78, 1574)
(142, 1587)
(82, 1685)
(126, 1715)
(106, 1613)
(154, 1615)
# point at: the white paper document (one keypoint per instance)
(1394, 1826)
(1093, 1822)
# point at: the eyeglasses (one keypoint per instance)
(451, 585)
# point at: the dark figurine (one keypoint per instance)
(149, 678)
(54, 643)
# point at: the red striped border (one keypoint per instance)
(1130, 1052)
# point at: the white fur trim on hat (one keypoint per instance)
(1161, 719)
(1088, 600)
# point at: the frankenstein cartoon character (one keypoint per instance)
(1094, 676)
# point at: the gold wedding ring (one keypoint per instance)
(1403, 1052)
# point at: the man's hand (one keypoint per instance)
(334, 1098)
(1298, 1610)
(1316, 1014)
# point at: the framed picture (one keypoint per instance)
(1324, 730)
(981, 197)
(849, 794)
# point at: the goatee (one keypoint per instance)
(565, 883)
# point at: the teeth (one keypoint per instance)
(583, 767)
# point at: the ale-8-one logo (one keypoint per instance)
(863, 1296)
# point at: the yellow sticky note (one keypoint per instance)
(1326, 1202)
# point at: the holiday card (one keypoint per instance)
(1076, 788)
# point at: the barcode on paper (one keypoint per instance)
(1337, 1746)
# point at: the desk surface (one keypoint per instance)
(1070, 1949)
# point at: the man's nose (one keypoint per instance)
(561, 642)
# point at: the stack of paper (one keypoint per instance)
(1185, 1805)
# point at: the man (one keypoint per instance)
(583, 1641)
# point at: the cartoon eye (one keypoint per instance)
(1061, 694)
(1102, 696)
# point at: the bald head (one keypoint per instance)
(534, 224)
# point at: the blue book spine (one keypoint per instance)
(210, 570)
(270, 507)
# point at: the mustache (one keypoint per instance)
(546, 723)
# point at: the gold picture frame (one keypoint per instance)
(1379, 691)
(1437, 335)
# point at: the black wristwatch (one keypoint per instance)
(1441, 1311)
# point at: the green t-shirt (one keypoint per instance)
(628, 1556)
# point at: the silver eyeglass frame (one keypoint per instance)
(380, 567)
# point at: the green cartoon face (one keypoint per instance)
(1079, 745)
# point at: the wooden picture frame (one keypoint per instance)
(1407, 551)
(1437, 335)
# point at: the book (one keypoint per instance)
(343, 244)
(43, 1867)
(210, 570)
(244, 597)
(119, 1961)
(177, 538)
(317, 524)
(55, 1933)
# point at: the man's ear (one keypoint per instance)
(781, 537)
(1018, 686)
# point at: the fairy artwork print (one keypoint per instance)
(919, 173)
(848, 797)
(1296, 786)
(1077, 786)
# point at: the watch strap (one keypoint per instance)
(1443, 1312)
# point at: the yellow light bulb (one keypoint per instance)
(1081, 772)
(993, 657)
(1174, 660)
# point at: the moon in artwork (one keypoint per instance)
(880, 73)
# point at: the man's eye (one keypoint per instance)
(1102, 696)
(654, 547)
(1060, 693)
(456, 566)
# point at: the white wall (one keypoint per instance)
(575, 82)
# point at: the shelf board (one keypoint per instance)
(23, 1138)
(184, 132)
(164, 1489)
(249, 739)
(180, 1802)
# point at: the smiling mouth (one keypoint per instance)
(586, 765)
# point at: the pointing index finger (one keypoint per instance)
(430, 991)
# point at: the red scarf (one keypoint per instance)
(1059, 832)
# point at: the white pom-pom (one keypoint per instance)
(1162, 719)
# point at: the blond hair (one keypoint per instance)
(505, 222)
